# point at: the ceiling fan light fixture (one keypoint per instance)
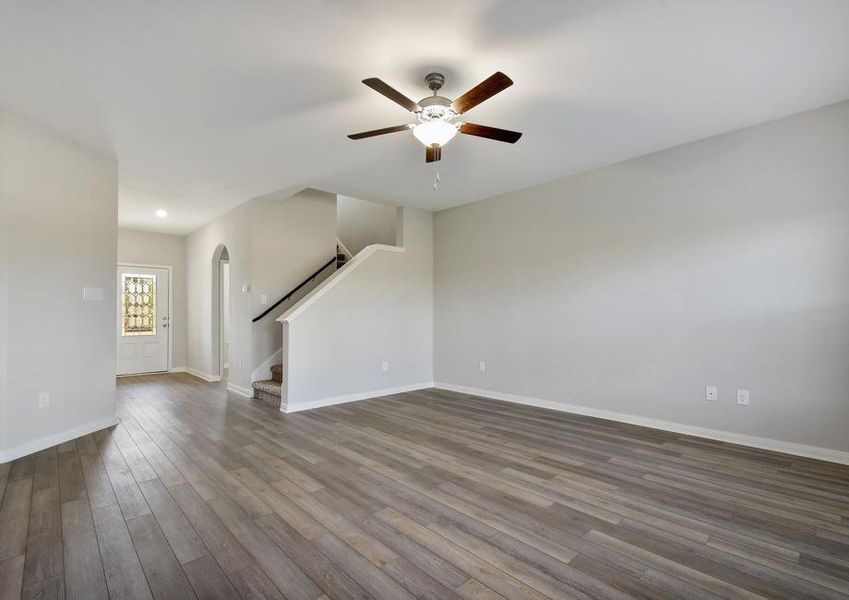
(435, 133)
(438, 117)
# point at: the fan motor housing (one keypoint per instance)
(434, 81)
(435, 107)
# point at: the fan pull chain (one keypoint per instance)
(436, 181)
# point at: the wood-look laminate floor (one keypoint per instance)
(428, 494)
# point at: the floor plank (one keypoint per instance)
(12, 576)
(14, 518)
(166, 579)
(84, 576)
(124, 575)
(428, 494)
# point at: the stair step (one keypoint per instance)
(277, 373)
(269, 386)
(268, 391)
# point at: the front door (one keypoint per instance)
(143, 320)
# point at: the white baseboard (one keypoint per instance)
(359, 396)
(827, 454)
(204, 376)
(177, 370)
(48, 441)
(242, 391)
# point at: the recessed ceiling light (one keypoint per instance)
(161, 213)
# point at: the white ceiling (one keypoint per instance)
(207, 103)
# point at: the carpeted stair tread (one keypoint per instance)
(269, 386)
(277, 373)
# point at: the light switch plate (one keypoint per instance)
(743, 397)
(263, 299)
(482, 367)
(43, 399)
(711, 393)
(92, 293)
(385, 365)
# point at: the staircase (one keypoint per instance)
(268, 390)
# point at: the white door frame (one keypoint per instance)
(222, 342)
(170, 311)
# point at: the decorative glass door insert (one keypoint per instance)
(138, 304)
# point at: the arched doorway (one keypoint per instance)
(220, 326)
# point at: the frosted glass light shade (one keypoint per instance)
(434, 133)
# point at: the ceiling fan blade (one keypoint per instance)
(390, 92)
(374, 132)
(493, 133)
(433, 154)
(482, 91)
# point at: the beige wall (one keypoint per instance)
(361, 223)
(58, 234)
(274, 242)
(629, 288)
(232, 230)
(142, 247)
(291, 238)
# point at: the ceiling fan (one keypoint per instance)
(438, 117)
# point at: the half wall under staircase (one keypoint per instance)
(269, 391)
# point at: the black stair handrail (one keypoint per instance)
(294, 291)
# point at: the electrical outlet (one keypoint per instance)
(711, 394)
(240, 364)
(43, 399)
(482, 367)
(385, 365)
(743, 397)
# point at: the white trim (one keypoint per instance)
(222, 343)
(341, 245)
(323, 287)
(170, 304)
(241, 391)
(263, 371)
(204, 376)
(177, 370)
(48, 441)
(742, 439)
(358, 396)
(126, 375)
